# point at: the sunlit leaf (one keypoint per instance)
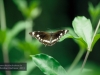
(83, 29)
(48, 65)
(71, 34)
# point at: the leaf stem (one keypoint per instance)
(2, 15)
(87, 54)
(95, 33)
(76, 60)
(84, 62)
(28, 29)
(3, 27)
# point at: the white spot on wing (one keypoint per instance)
(66, 31)
(40, 39)
(60, 34)
(46, 41)
(33, 33)
(54, 40)
(37, 35)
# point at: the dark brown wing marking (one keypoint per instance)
(48, 39)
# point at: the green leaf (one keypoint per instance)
(15, 30)
(34, 10)
(83, 28)
(31, 47)
(48, 65)
(22, 6)
(2, 36)
(82, 44)
(78, 40)
(94, 12)
(96, 38)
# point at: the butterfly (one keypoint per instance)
(48, 39)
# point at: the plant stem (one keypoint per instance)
(28, 29)
(3, 27)
(95, 33)
(84, 62)
(76, 60)
(2, 15)
(87, 54)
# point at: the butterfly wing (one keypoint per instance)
(43, 37)
(48, 39)
(57, 35)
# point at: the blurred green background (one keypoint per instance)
(19, 17)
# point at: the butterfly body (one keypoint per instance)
(48, 39)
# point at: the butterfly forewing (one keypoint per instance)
(43, 37)
(57, 35)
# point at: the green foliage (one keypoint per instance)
(2, 36)
(73, 35)
(10, 34)
(96, 38)
(94, 13)
(82, 35)
(83, 28)
(85, 72)
(31, 11)
(29, 47)
(84, 31)
(48, 65)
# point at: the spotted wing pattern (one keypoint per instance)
(48, 39)
(57, 35)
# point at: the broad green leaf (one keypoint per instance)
(48, 65)
(71, 34)
(83, 29)
(82, 44)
